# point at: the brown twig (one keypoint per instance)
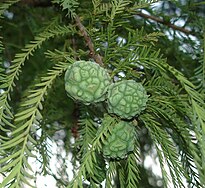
(45, 3)
(93, 54)
(159, 20)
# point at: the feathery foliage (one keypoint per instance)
(18, 62)
(199, 77)
(36, 113)
(28, 117)
(69, 5)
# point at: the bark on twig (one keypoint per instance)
(93, 54)
(46, 3)
(159, 20)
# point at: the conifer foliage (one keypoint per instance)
(132, 93)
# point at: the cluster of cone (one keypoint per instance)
(87, 82)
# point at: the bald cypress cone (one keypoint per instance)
(120, 142)
(126, 98)
(87, 82)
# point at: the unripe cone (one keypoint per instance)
(126, 98)
(87, 82)
(120, 142)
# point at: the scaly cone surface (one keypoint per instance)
(87, 82)
(126, 98)
(120, 142)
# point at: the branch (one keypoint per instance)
(37, 3)
(96, 57)
(159, 20)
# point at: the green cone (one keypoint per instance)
(87, 82)
(120, 142)
(126, 98)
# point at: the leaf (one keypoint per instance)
(21, 128)
(29, 153)
(14, 155)
(26, 174)
(25, 138)
(11, 175)
(89, 156)
(24, 180)
(167, 151)
(26, 164)
(11, 142)
(118, 7)
(20, 59)
(9, 165)
(25, 114)
(69, 5)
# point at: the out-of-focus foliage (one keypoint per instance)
(157, 43)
